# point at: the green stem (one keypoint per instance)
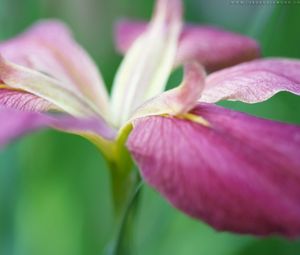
(122, 243)
(126, 184)
(122, 184)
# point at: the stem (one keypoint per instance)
(126, 184)
(122, 242)
(123, 184)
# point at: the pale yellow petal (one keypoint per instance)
(19, 77)
(148, 64)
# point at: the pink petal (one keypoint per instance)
(48, 47)
(17, 123)
(179, 100)
(212, 47)
(240, 174)
(96, 128)
(253, 82)
(23, 101)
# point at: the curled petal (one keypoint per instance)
(48, 47)
(148, 63)
(17, 123)
(239, 174)
(212, 47)
(254, 81)
(179, 100)
(24, 79)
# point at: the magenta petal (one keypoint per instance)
(254, 81)
(241, 174)
(212, 47)
(17, 123)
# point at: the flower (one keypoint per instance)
(236, 172)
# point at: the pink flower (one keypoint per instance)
(234, 171)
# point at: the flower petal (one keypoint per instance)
(239, 174)
(179, 100)
(212, 47)
(18, 123)
(24, 79)
(48, 47)
(254, 81)
(146, 68)
(23, 101)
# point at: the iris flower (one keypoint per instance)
(236, 172)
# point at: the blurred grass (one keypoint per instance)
(54, 188)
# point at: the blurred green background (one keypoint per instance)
(54, 188)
